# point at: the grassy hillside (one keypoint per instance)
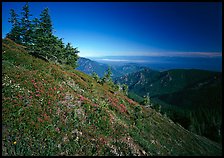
(189, 97)
(50, 109)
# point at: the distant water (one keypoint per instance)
(165, 63)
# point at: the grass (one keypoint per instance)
(50, 109)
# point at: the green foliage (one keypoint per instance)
(135, 97)
(125, 89)
(108, 75)
(96, 77)
(26, 30)
(147, 100)
(37, 35)
(14, 34)
(45, 23)
(156, 107)
(70, 55)
(183, 90)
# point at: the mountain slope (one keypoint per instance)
(189, 97)
(166, 82)
(50, 109)
(89, 66)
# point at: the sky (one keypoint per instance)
(170, 29)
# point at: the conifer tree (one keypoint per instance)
(37, 35)
(96, 77)
(45, 41)
(26, 30)
(15, 33)
(147, 100)
(35, 30)
(71, 55)
(108, 75)
(46, 23)
(125, 89)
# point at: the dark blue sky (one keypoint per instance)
(152, 29)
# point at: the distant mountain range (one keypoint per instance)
(89, 66)
(169, 82)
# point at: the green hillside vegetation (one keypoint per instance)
(191, 98)
(49, 108)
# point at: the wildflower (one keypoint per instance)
(32, 81)
(14, 142)
(39, 119)
(57, 129)
(55, 88)
(30, 97)
(94, 105)
(37, 95)
(82, 98)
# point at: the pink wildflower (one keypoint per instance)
(57, 129)
(37, 95)
(39, 119)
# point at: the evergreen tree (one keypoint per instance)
(35, 30)
(71, 55)
(46, 23)
(26, 30)
(15, 33)
(108, 75)
(96, 77)
(147, 100)
(37, 35)
(44, 42)
(125, 89)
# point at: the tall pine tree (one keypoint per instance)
(46, 23)
(15, 33)
(38, 36)
(44, 39)
(71, 55)
(26, 29)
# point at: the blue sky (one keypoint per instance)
(126, 29)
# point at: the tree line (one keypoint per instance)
(37, 35)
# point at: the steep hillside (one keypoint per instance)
(187, 96)
(50, 109)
